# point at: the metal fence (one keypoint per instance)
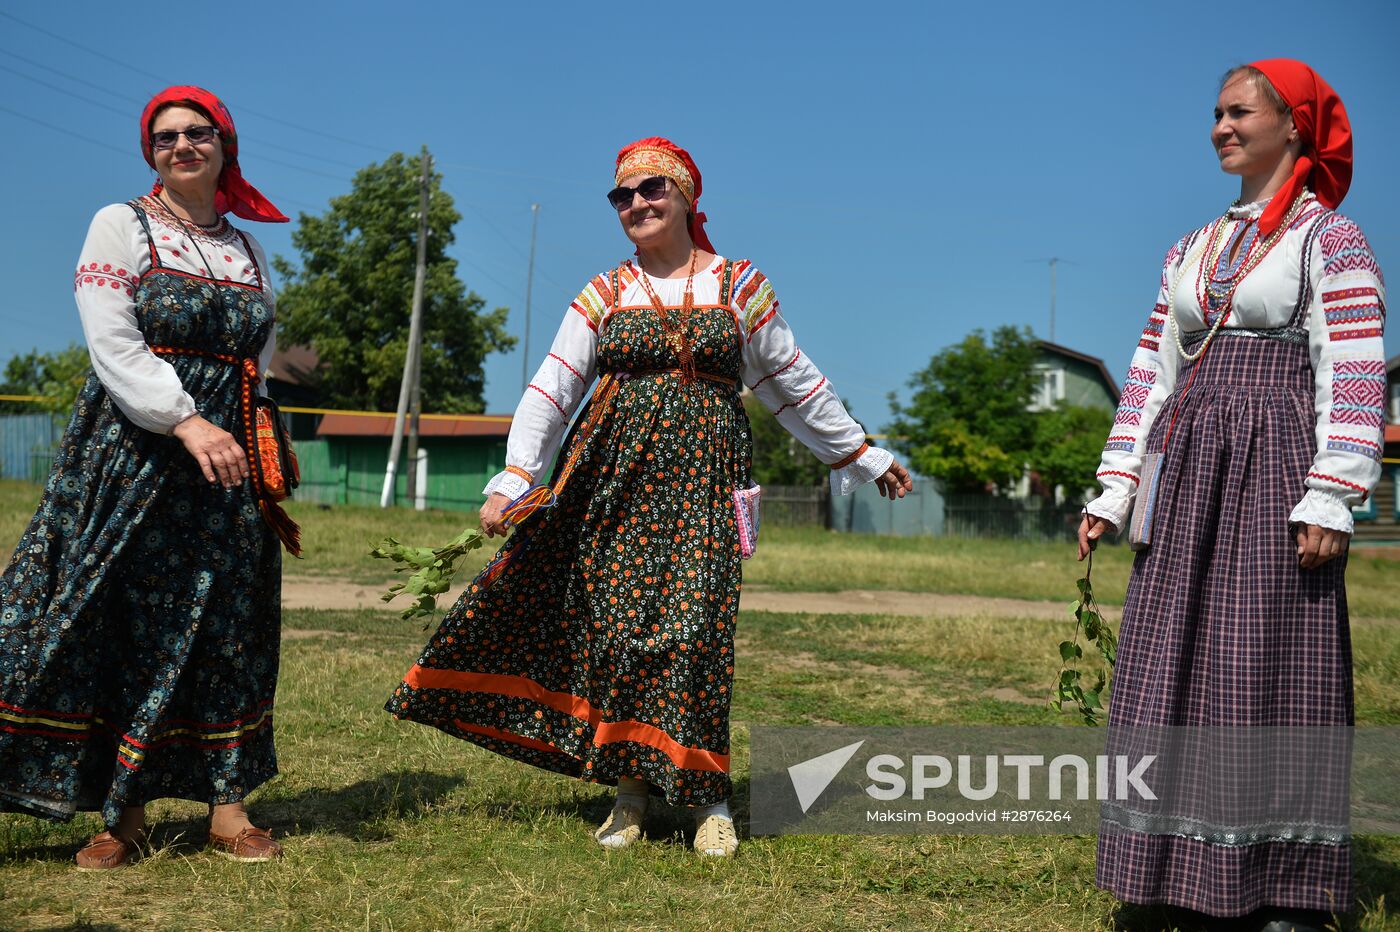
(27, 445)
(926, 512)
(797, 505)
(1006, 518)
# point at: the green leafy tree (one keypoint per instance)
(350, 298)
(56, 376)
(966, 421)
(1068, 445)
(778, 457)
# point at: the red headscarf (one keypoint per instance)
(234, 194)
(657, 156)
(1321, 121)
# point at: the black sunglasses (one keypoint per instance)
(651, 189)
(197, 135)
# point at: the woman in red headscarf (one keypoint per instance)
(1249, 427)
(600, 641)
(139, 618)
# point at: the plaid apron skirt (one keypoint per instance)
(1222, 628)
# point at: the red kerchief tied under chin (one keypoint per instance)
(235, 194)
(1321, 121)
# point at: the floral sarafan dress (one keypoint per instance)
(140, 615)
(599, 642)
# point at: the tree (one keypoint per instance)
(56, 376)
(1068, 446)
(350, 298)
(967, 420)
(778, 457)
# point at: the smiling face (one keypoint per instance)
(649, 224)
(187, 166)
(1252, 137)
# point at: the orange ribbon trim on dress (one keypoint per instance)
(287, 530)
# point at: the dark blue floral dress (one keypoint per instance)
(140, 614)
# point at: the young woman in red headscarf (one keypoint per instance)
(139, 618)
(600, 641)
(1256, 392)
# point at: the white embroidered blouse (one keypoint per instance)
(1322, 260)
(115, 256)
(781, 375)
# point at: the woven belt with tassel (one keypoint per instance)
(249, 377)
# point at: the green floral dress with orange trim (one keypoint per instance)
(599, 642)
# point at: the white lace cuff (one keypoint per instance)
(1325, 510)
(506, 483)
(871, 465)
(1113, 506)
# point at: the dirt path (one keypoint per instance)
(332, 593)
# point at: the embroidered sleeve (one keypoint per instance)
(553, 395)
(786, 381)
(142, 385)
(1151, 378)
(1346, 324)
(594, 302)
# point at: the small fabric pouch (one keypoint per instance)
(276, 459)
(1140, 524)
(747, 513)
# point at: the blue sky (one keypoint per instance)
(900, 171)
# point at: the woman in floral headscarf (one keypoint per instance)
(139, 617)
(1259, 382)
(600, 641)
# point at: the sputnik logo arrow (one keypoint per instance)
(811, 777)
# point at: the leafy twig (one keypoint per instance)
(1089, 620)
(430, 570)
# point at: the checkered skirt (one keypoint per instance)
(1222, 628)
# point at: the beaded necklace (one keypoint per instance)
(1225, 296)
(675, 330)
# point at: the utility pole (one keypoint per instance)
(529, 284)
(1054, 263)
(409, 388)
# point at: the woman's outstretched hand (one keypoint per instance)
(492, 524)
(219, 456)
(895, 483)
(1090, 530)
(1317, 544)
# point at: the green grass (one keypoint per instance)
(336, 542)
(390, 825)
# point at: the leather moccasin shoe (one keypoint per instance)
(248, 846)
(105, 851)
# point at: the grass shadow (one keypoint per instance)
(359, 811)
(663, 822)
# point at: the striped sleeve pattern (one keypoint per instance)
(1150, 380)
(1346, 328)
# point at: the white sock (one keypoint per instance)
(720, 809)
(632, 791)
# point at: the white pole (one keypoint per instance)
(410, 360)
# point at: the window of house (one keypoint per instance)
(1050, 388)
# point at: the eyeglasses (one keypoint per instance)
(651, 189)
(197, 135)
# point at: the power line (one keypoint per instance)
(261, 142)
(141, 71)
(74, 78)
(62, 90)
(64, 131)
